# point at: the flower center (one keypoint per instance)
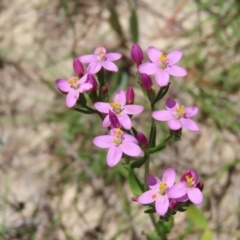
(73, 82)
(162, 188)
(100, 57)
(163, 60)
(190, 180)
(116, 107)
(118, 137)
(179, 112)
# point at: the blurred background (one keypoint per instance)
(54, 183)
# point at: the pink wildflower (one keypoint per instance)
(73, 87)
(137, 54)
(118, 143)
(100, 59)
(177, 116)
(162, 65)
(159, 191)
(188, 185)
(120, 108)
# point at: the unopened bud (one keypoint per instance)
(114, 120)
(173, 204)
(200, 186)
(91, 79)
(137, 54)
(130, 95)
(78, 67)
(142, 139)
(135, 199)
(176, 134)
(104, 90)
(146, 82)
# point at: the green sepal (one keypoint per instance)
(134, 183)
(85, 111)
(161, 93)
(138, 163)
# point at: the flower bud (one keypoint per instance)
(130, 95)
(200, 186)
(114, 120)
(176, 134)
(137, 54)
(173, 204)
(78, 67)
(146, 82)
(91, 79)
(142, 139)
(135, 199)
(104, 90)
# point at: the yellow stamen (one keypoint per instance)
(190, 180)
(162, 188)
(179, 112)
(163, 57)
(72, 81)
(117, 107)
(100, 52)
(117, 141)
(118, 132)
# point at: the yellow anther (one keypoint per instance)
(163, 57)
(190, 180)
(100, 52)
(118, 132)
(179, 112)
(117, 141)
(72, 81)
(162, 188)
(117, 107)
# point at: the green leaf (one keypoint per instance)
(158, 148)
(161, 93)
(85, 111)
(152, 137)
(114, 21)
(151, 210)
(134, 26)
(134, 183)
(152, 236)
(138, 163)
(196, 216)
(207, 235)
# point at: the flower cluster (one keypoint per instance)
(162, 192)
(123, 140)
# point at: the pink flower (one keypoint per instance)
(73, 87)
(100, 59)
(188, 185)
(159, 191)
(177, 116)
(120, 108)
(137, 54)
(118, 143)
(162, 65)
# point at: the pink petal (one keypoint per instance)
(195, 195)
(174, 56)
(87, 58)
(83, 79)
(191, 111)
(72, 98)
(133, 109)
(114, 156)
(110, 66)
(125, 121)
(162, 204)
(183, 198)
(169, 176)
(147, 197)
(171, 104)
(152, 181)
(120, 97)
(106, 122)
(85, 87)
(102, 107)
(100, 48)
(94, 67)
(131, 149)
(189, 124)
(174, 124)
(176, 71)
(148, 68)
(178, 190)
(162, 115)
(104, 141)
(113, 56)
(154, 54)
(162, 78)
(192, 172)
(63, 85)
(129, 138)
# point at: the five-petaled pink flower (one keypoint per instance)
(120, 108)
(100, 59)
(162, 65)
(177, 116)
(160, 191)
(118, 143)
(73, 87)
(188, 187)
